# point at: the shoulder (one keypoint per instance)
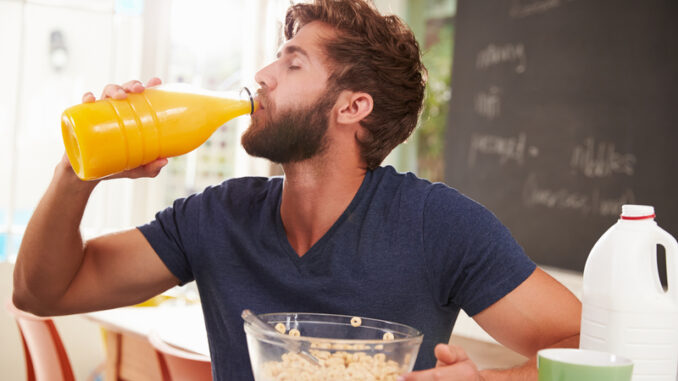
(446, 205)
(245, 185)
(434, 196)
(405, 185)
(390, 176)
(242, 189)
(238, 196)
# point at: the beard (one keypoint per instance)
(292, 135)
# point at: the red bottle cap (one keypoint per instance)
(637, 212)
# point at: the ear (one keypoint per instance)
(353, 107)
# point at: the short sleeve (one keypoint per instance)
(473, 259)
(173, 234)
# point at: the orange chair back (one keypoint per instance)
(46, 357)
(180, 365)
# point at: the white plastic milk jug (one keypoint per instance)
(625, 309)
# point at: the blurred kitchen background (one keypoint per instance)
(53, 51)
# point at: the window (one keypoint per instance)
(218, 45)
(433, 24)
(56, 51)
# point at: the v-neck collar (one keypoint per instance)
(317, 247)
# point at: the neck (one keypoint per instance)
(315, 193)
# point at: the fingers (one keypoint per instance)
(421, 375)
(88, 97)
(448, 354)
(133, 86)
(151, 169)
(463, 371)
(113, 91)
(453, 364)
(120, 91)
(155, 81)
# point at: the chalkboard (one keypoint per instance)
(562, 111)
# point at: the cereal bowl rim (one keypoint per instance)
(417, 337)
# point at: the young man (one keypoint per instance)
(336, 234)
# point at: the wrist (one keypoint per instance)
(494, 374)
(65, 179)
(527, 372)
(484, 375)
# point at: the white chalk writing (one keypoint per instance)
(533, 195)
(524, 8)
(506, 148)
(562, 198)
(533, 151)
(508, 53)
(488, 103)
(601, 159)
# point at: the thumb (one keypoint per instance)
(448, 354)
(151, 169)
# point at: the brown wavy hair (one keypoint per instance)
(374, 54)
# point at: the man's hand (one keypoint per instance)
(120, 92)
(453, 364)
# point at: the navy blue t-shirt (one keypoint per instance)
(404, 250)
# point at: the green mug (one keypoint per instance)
(569, 364)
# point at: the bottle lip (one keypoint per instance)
(637, 212)
(249, 95)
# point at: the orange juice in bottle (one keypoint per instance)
(109, 136)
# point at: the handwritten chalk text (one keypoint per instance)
(494, 55)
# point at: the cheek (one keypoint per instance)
(296, 97)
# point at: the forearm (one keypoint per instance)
(527, 371)
(52, 248)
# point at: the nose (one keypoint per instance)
(266, 78)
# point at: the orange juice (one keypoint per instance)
(109, 136)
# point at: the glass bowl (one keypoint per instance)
(348, 347)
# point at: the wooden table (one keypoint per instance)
(129, 355)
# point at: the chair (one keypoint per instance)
(179, 365)
(119, 365)
(46, 357)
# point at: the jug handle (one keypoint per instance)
(671, 248)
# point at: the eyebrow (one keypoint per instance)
(291, 49)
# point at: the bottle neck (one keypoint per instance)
(638, 218)
(639, 223)
(245, 91)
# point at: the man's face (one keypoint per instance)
(295, 104)
(290, 135)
